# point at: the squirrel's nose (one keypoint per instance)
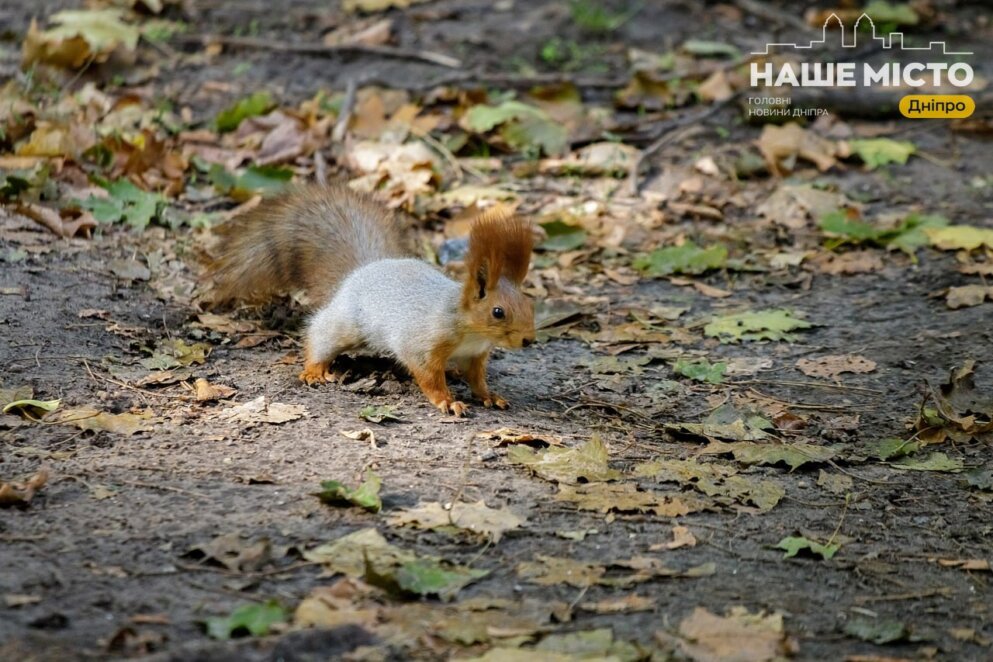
(525, 342)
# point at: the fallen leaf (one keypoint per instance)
(20, 493)
(701, 370)
(830, 367)
(79, 36)
(933, 462)
(968, 296)
(960, 237)
(261, 410)
(770, 324)
(876, 630)
(834, 483)
(795, 544)
(681, 537)
(88, 418)
(567, 465)
(783, 145)
(476, 518)
(627, 604)
(878, 152)
(234, 551)
(365, 496)
(510, 436)
(207, 392)
(550, 570)
(379, 413)
(257, 619)
(686, 259)
(627, 498)
(740, 636)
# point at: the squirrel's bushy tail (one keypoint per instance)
(309, 238)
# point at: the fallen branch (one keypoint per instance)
(322, 50)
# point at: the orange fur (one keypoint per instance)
(309, 238)
(500, 246)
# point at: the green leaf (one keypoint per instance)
(771, 324)
(893, 447)
(933, 462)
(979, 478)
(876, 631)
(882, 11)
(428, 576)
(257, 619)
(704, 48)
(549, 136)
(252, 180)
(483, 118)
(562, 236)
(794, 455)
(839, 223)
(125, 203)
(101, 29)
(701, 370)
(31, 408)
(365, 495)
(795, 544)
(912, 233)
(379, 413)
(686, 259)
(258, 104)
(878, 152)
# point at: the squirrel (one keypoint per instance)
(346, 252)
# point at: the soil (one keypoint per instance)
(95, 563)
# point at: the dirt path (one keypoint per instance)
(108, 558)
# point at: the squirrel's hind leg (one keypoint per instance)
(328, 335)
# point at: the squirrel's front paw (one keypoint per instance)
(453, 407)
(493, 400)
(315, 373)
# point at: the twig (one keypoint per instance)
(774, 382)
(943, 591)
(667, 134)
(806, 405)
(772, 14)
(345, 114)
(322, 50)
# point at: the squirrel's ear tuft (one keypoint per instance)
(481, 282)
(500, 242)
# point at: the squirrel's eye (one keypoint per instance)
(498, 313)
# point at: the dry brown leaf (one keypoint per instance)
(623, 605)
(260, 410)
(968, 296)
(717, 87)
(207, 391)
(783, 145)
(851, 262)
(52, 220)
(981, 565)
(21, 493)
(88, 418)
(475, 518)
(508, 436)
(831, 366)
(710, 290)
(738, 637)
(367, 32)
(795, 206)
(681, 537)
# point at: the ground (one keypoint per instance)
(107, 558)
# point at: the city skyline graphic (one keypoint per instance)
(887, 44)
